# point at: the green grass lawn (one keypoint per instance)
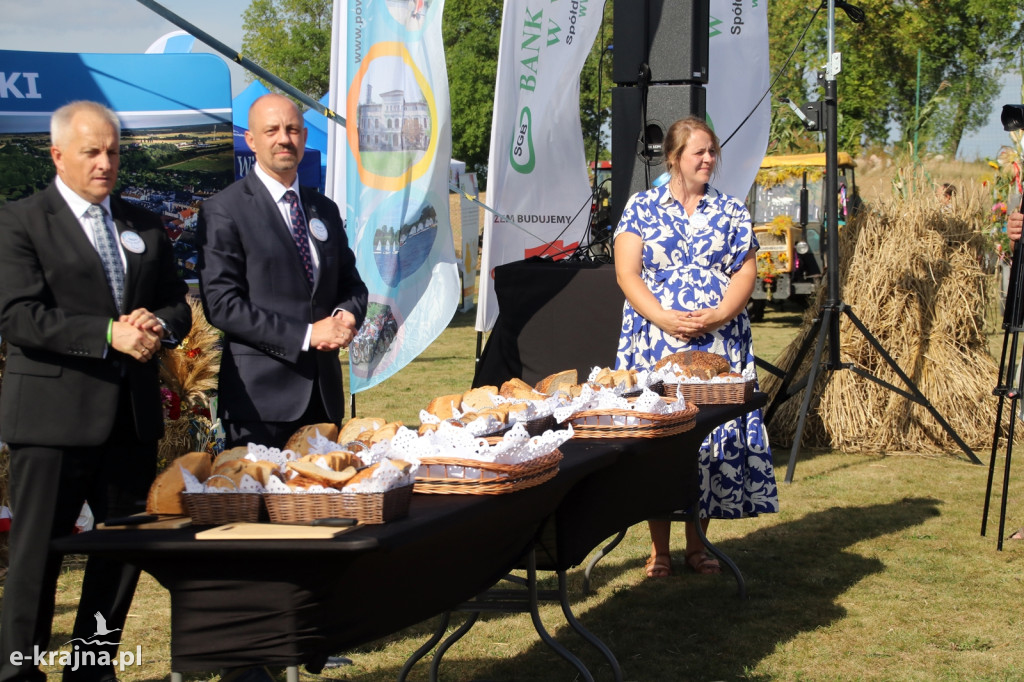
(874, 569)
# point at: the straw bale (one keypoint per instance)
(911, 272)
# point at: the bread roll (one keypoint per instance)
(479, 398)
(559, 381)
(512, 385)
(165, 493)
(499, 412)
(299, 442)
(233, 453)
(337, 460)
(355, 426)
(368, 471)
(520, 390)
(234, 470)
(624, 377)
(385, 432)
(362, 474)
(443, 407)
(325, 477)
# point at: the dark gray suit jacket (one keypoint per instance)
(55, 305)
(254, 289)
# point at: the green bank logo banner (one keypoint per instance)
(738, 66)
(537, 171)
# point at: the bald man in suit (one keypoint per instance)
(88, 294)
(277, 276)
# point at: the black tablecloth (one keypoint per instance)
(553, 316)
(287, 602)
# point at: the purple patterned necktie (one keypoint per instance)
(299, 234)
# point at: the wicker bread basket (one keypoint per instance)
(712, 393)
(596, 423)
(364, 507)
(218, 508)
(493, 479)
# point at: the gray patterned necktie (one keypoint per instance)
(107, 249)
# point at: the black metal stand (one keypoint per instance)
(826, 324)
(692, 517)
(1013, 324)
(516, 601)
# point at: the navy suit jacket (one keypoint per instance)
(61, 383)
(254, 289)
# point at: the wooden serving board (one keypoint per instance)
(270, 531)
(163, 523)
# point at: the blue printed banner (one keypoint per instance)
(396, 180)
(175, 141)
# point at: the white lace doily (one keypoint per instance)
(485, 424)
(673, 374)
(276, 485)
(450, 441)
(647, 403)
(262, 453)
(321, 445)
(384, 478)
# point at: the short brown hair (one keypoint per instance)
(679, 134)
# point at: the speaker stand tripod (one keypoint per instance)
(826, 323)
(826, 327)
(1013, 325)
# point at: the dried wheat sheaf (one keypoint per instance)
(913, 271)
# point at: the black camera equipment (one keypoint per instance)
(825, 327)
(1012, 119)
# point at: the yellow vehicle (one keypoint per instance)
(787, 204)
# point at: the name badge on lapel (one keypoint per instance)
(318, 229)
(132, 241)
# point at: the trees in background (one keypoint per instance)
(292, 40)
(963, 47)
(470, 29)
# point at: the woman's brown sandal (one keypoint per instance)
(703, 563)
(658, 566)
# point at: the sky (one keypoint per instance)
(128, 26)
(117, 26)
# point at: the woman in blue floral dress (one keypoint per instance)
(684, 258)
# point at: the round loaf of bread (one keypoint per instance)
(165, 493)
(697, 362)
(299, 442)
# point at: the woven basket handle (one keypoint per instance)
(233, 484)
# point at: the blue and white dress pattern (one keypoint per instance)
(687, 264)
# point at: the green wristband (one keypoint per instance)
(110, 332)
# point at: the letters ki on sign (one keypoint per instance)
(19, 85)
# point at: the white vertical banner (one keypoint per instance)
(470, 219)
(334, 182)
(537, 170)
(737, 78)
(392, 83)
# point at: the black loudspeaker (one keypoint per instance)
(670, 36)
(637, 158)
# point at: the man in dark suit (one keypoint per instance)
(277, 276)
(88, 292)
